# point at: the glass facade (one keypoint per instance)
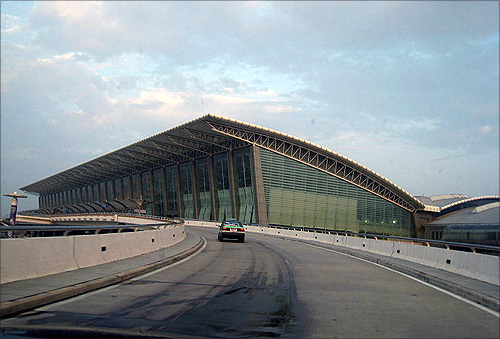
(204, 192)
(102, 191)
(159, 189)
(187, 196)
(299, 195)
(95, 189)
(118, 189)
(147, 191)
(110, 189)
(222, 187)
(172, 187)
(244, 187)
(136, 186)
(127, 187)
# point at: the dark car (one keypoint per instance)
(231, 229)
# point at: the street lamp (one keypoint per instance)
(13, 205)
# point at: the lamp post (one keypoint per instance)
(13, 205)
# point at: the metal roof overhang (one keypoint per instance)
(212, 134)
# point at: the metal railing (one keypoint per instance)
(474, 248)
(39, 230)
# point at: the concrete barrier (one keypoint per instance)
(24, 258)
(478, 266)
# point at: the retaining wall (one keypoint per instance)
(24, 258)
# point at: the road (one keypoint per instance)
(270, 287)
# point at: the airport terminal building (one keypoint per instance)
(215, 167)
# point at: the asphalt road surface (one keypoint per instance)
(269, 287)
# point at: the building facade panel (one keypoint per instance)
(186, 190)
(244, 186)
(171, 174)
(223, 186)
(299, 195)
(147, 190)
(203, 185)
(159, 192)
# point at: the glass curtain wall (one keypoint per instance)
(127, 187)
(172, 203)
(102, 191)
(95, 191)
(187, 196)
(147, 191)
(299, 195)
(204, 194)
(118, 189)
(244, 187)
(84, 195)
(136, 186)
(110, 190)
(159, 189)
(90, 195)
(222, 186)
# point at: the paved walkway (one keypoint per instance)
(26, 294)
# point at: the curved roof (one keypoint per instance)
(484, 214)
(470, 202)
(212, 134)
(441, 200)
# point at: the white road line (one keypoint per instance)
(481, 307)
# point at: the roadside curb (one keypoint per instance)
(471, 295)
(9, 308)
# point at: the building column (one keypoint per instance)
(258, 185)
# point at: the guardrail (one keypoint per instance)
(29, 251)
(474, 248)
(44, 230)
(467, 247)
(33, 231)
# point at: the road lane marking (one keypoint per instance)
(481, 307)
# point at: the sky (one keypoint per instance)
(408, 89)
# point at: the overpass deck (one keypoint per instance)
(27, 294)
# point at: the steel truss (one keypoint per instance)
(320, 160)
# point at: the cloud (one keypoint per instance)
(485, 129)
(365, 78)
